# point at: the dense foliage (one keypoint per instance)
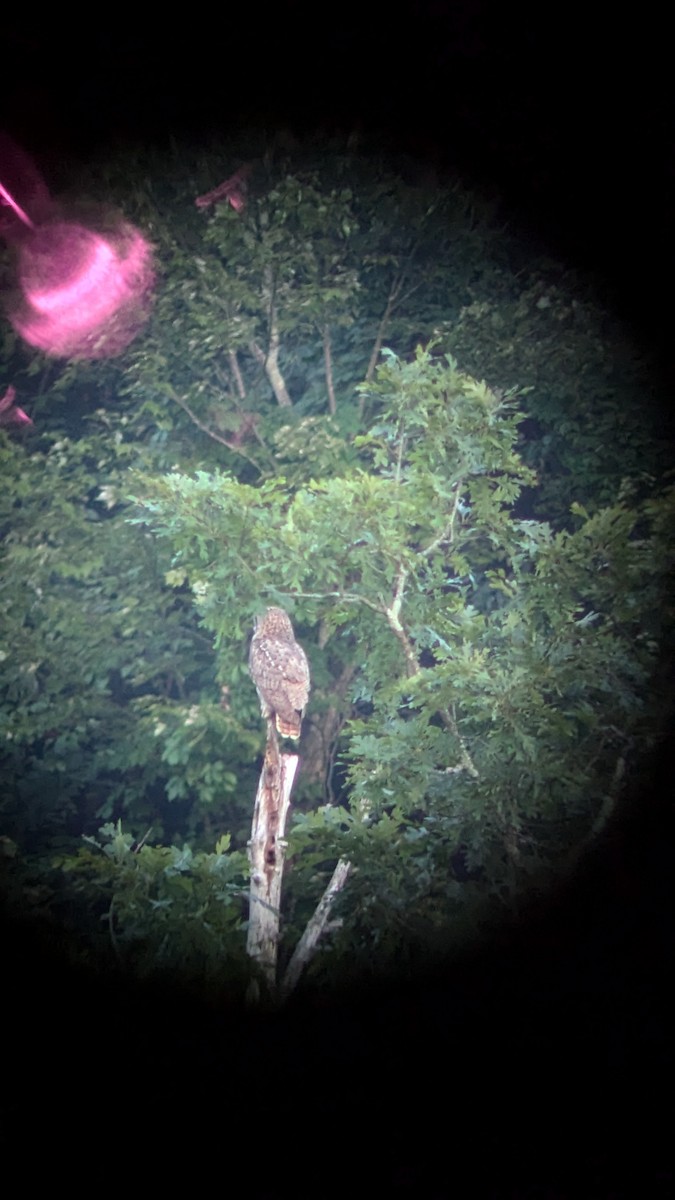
(476, 569)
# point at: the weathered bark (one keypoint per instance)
(317, 925)
(266, 851)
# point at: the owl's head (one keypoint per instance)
(274, 622)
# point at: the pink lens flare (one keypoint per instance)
(24, 196)
(84, 283)
(5, 198)
(85, 294)
(89, 262)
(10, 413)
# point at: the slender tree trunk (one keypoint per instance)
(328, 361)
(386, 316)
(270, 361)
(323, 730)
(394, 298)
(234, 366)
(270, 364)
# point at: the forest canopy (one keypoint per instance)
(358, 399)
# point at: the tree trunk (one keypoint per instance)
(266, 851)
(323, 730)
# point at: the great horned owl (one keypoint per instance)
(280, 671)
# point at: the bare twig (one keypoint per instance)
(466, 762)
(448, 532)
(231, 443)
(316, 927)
(393, 300)
(394, 293)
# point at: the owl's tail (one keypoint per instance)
(289, 726)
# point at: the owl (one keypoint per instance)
(280, 671)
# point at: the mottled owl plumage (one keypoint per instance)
(280, 671)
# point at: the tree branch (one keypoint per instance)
(394, 293)
(231, 444)
(413, 666)
(316, 927)
(448, 531)
(394, 298)
(391, 612)
(328, 362)
(466, 762)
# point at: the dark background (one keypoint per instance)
(567, 111)
(534, 1066)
